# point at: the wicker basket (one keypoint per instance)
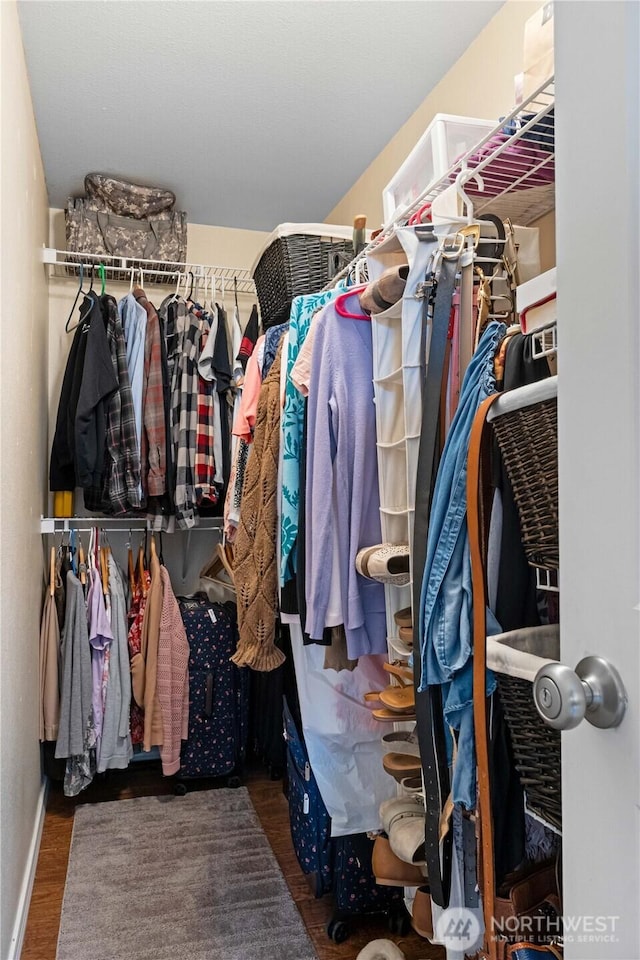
(513, 657)
(295, 264)
(536, 749)
(528, 441)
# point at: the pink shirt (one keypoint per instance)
(301, 370)
(246, 415)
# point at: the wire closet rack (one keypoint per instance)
(51, 525)
(515, 162)
(64, 264)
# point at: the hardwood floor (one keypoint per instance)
(146, 780)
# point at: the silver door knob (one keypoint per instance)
(594, 690)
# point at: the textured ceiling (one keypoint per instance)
(254, 113)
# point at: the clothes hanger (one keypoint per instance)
(89, 294)
(422, 215)
(340, 301)
(102, 273)
(176, 294)
(141, 568)
(188, 297)
(82, 567)
(130, 566)
(131, 280)
(160, 554)
(104, 567)
(72, 551)
(73, 306)
(465, 176)
(52, 571)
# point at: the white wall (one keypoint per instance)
(23, 426)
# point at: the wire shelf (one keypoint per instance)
(517, 170)
(50, 525)
(65, 264)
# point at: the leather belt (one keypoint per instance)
(478, 516)
(438, 295)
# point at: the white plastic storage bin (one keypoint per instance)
(444, 141)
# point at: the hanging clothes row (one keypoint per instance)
(113, 671)
(144, 416)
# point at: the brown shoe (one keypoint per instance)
(382, 293)
(391, 871)
(422, 920)
(403, 617)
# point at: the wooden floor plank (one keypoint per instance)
(146, 780)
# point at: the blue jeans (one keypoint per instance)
(446, 603)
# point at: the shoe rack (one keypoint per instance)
(398, 370)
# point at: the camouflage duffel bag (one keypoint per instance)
(162, 237)
(127, 199)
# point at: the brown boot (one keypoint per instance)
(421, 920)
(390, 871)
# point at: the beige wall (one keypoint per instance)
(23, 402)
(480, 84)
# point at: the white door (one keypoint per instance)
(598, 228)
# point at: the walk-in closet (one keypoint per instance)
(319, 459)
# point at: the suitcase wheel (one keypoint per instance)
(338, 930)
(234, 781)
(180, 789)
(398, 921)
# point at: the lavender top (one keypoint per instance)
(342, 480)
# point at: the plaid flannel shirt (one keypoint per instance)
(184, 413)
(122, 473)
(153, 441)
(205, 463)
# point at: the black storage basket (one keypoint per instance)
(536, 749)
(293, 265)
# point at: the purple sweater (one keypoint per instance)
(342, 480)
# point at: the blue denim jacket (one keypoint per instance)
(446, 612)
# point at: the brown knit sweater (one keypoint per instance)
(255, 563)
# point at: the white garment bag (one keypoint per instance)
(343, 740)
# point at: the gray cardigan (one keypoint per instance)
(76, 687)
(115, 746)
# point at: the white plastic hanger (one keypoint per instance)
(464, 177)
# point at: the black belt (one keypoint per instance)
(438, 296)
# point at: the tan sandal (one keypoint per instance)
(395, 716)
(399, 698)
(401, 765)
(401, 671)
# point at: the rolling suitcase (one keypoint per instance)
(342, 865)
(308, 817)
(218, 693)
(356, 893)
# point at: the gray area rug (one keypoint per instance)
(177, 878)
